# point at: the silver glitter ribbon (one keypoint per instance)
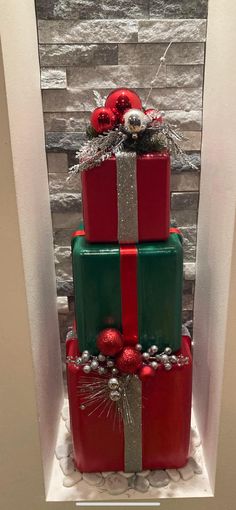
(133, 428)
(127, 197)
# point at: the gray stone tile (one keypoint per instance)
(59, 183)
(178, 166)
(57, 162)
(115, 76)
(173, 98)
(186, 30)
(67, 220)
(97, 31)
(63, 264)
(186, 217)
(187, 302)
(105, 9)
(62, 202)
(184, 200)
(83, 100)
(64, 141)
(192, 142)
(186, 121)
(178, 8)
(91, 9)
(62, 305)
(62, 236)
(188, 287)
(66, 121)
(185, 181)
(189, 243)
(65, 287)
(187, 317)
(189, 270)
(78, 54)
(178, 53)
(184, 75)
(53, 78)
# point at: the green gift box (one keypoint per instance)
(134, 288)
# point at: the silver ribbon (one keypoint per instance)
(127, 197)
(133, 428)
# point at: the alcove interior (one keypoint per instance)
(211, 254)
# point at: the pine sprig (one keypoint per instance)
(96, 150)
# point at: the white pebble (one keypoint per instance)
(65, 413)
(144, 473)
(63, 450)
(67, 465)
(173, 474)
(93, 479)
(71, 480)
(116, 484)
(141, 484)
(67, 424)
(107, 473)
(195, 466)
(127, 475)
(186, 472)
(158, 478)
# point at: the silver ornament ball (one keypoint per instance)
(154, 365)
(114, 371)
(115, 395)
(168, 366)
(87, 369)
(146, 356)
(164, 358)
(113, 383)
(101, 370)
(101, 357)
(135, 121)
(168, 350)
(110, 363)
(94, 364)
(138, 347)
(153, 349)
(78, 361)
(85, 356)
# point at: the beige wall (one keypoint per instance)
(28, 311)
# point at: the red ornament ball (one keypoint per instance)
(110, 341)
(103, 119)
(145, 373)
(121, 100)
(129, 360)
(154, 114)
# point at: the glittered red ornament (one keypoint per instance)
(110, 342)
(146, 372)
(156, 115)
(121, 100)
(103, 119)
(129, 360)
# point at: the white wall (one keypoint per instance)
(24, 110)
(216, 222)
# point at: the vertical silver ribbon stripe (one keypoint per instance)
(133, 429)
(127, 197)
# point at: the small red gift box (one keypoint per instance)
(162, 409)
(127, 199)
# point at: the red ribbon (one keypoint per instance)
(78, 233)
(129, 292)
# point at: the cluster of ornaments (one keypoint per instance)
(117, 358)
(123, 108)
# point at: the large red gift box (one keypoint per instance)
(127, 199)
(102, 444)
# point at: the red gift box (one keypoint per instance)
(127, 200)
(102, 444)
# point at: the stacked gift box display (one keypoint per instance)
(129, 368)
